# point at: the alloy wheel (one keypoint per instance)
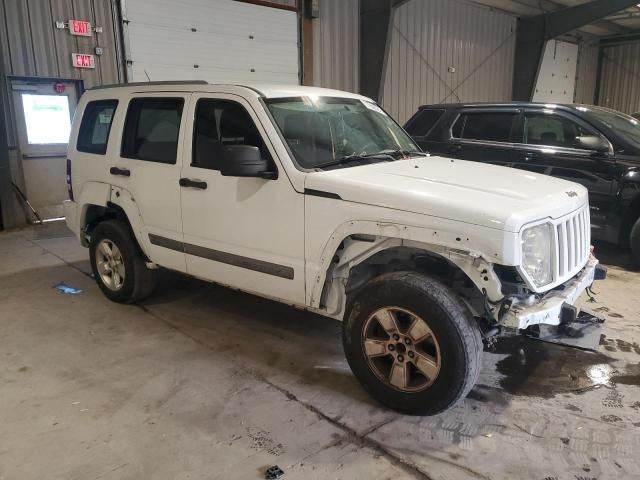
(401, 349)
(110, 265)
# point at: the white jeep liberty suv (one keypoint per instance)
(318, 199)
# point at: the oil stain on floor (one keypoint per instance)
(537, 369)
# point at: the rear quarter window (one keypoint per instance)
(422, 123)
(95, 127)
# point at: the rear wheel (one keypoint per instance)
(412, 343)
(118, 265)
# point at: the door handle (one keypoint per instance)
(188, 182)
(455, 147)
(123, 172)
(528, 156)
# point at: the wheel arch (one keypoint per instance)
(351, 259)
(118, 204)
(630, 216)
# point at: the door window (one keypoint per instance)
(424, 121)
(219, 123)
(486, 126)
(552, 130)
(47, 118)
(152, 128)
(95, 127)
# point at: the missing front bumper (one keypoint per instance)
(583, 332)
(549, 310)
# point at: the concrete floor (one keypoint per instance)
(204, 382)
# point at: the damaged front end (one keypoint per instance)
(552, 316)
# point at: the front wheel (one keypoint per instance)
(412, 343)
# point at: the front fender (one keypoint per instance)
(461, 250)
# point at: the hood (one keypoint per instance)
(471, 192)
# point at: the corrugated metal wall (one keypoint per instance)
(335, 45)
(32, 46)
(587, 73)
(620, 78)
(430, 36)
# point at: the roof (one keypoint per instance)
(501, 104)
(265, 90)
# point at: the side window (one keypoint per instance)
(151, 129)
(552, 130)
(95, 127)
(219, 123)
(487, 126)
(423, 122)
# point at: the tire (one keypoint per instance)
(634, 241)
(137, 281)
(454, 346)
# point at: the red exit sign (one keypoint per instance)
(83, 60)
(80, 27)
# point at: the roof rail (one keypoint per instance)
(160, 83)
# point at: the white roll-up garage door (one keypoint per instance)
(221, 41)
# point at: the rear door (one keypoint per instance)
(485, 135)
(145, 164)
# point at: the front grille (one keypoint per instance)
(573, 241)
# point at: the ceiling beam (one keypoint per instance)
(534, 32)
(375, 36)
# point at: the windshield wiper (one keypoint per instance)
(355, 157)
(405, 153)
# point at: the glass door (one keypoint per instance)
(43, 115)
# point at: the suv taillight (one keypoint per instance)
(69, 186)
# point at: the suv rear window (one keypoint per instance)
(95, 127)
(487, 126)
(423, 122)
(151, 129)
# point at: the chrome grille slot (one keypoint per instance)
(573, 239)
(562, 248)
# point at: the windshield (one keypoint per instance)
(624, 125)
(323, 131)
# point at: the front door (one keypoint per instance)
(247, 233)
(43, 112)
(551, 146)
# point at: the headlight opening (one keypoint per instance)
(537, 253)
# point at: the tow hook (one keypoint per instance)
(600, 273)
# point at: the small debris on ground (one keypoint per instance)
(67, 289)
(273, 473)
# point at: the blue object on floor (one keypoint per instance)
(67, 289)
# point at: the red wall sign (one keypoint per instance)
(58, 87)
(80, 27)
(83, 60)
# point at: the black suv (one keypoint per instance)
(594, 146)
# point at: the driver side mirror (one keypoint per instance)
(593, 142)
(245, 161)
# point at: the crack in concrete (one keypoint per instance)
(68, 264)
(349, 434)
